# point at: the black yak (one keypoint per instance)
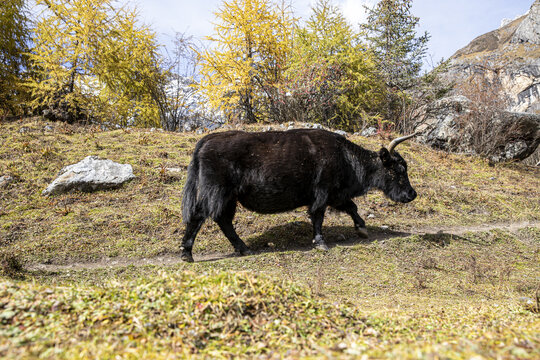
(271, 172)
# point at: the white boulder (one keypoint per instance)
(90, 174)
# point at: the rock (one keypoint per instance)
(370, 131)
(341, 132)
(5, 180)
(290, 127)
(213, 126)
(529, 303)
(317, 126)
(438, 127)
(174, 170)
(92, 173)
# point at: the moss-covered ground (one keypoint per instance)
(415, 289)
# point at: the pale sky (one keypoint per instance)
(452, 24)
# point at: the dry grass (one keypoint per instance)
(407, 295)
(143, 218)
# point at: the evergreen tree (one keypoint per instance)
(391, 33)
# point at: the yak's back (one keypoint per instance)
(273, 146)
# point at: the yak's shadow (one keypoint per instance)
(298, 235)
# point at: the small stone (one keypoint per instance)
(370, 332)
(384, 227)
(370, 131)
(5, 180)
(371, 216)
(341, 132)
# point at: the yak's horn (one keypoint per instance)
(395, 142)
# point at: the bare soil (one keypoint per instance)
(380, 234)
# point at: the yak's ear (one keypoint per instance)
(385, 156)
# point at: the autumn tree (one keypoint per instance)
(94, 61)
(246, 58)
(14, 41)
(332, 77)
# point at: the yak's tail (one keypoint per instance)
(204, 192)
(190, 206)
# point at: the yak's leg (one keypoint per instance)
(225, 224)
(192, 228)
(359, 224)
(317, 217)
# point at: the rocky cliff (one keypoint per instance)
(511, 56)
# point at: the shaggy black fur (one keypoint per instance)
(274, 172)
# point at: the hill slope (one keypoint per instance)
(439, 277)
(510, 54)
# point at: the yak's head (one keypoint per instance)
(394, 180)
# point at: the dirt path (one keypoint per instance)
(381, 234)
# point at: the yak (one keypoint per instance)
(278, 171)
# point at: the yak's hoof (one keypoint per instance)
(187, 257)
(321, 247)
(246, 252)
(362, 232)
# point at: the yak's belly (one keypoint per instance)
(269, 200)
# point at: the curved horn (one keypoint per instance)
(395, 142)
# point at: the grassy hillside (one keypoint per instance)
(439, 277)
(143, 218)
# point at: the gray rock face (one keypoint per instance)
(529, 29)
(438, 126)
(90, 174)
(509, 55)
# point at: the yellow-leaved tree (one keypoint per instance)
(248, 54)
(94, 61)
(332, 77)
(14, 36)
